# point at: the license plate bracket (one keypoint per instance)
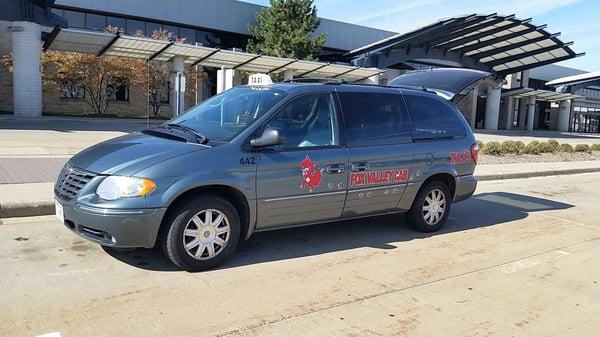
(59, 211)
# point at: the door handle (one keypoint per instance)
(360, 167)
(335, 168)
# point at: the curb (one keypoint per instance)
(519, 175)
(28, 208)
(25, 209)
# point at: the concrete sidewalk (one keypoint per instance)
(572, 138)
(528, 170)
(33, 199)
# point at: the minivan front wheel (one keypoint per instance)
(201, 233)
(431, 207)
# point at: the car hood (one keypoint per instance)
(129, 154)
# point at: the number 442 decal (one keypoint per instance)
(248, 161)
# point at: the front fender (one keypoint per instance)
(242, 182)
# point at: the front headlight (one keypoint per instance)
(115, 187)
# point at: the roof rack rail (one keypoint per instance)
(411, 87)
(414, 87)
(323, 80)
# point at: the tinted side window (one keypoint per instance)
(432, 119)
(374, 119)
(307, 121)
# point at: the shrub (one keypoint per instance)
(596, 147)
(566, 148)
(511, 147)
(480, 144)
(491, 148)
(550, 146)
(583, 148)
(534, 147)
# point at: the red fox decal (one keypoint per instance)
(311, 176)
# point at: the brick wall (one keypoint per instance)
(136, 106)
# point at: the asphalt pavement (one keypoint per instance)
(520, 258)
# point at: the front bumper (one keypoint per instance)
(119, 228)
(465, 187)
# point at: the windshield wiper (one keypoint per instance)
(200, 137)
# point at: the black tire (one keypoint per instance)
(416, 215)
(172, 236)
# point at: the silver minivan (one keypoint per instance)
(266, 157)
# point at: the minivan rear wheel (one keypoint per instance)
(201, 233)
(430, 209)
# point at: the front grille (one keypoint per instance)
(70, 181)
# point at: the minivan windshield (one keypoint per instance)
(223, 116)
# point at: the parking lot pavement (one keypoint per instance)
(518, 259)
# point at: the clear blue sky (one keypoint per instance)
(578, 20)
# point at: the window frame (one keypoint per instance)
(63, 83)
(400, 104)
(125, 87)
(336, 110)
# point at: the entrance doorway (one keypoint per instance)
(480, 112)
(543, 116)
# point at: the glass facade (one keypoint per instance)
(192, 35)
(585, 119)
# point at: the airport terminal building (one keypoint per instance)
(528, 91)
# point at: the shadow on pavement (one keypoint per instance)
(482, 210)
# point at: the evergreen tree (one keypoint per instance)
(285, 30)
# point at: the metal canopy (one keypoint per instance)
(501, 44)
(540, 95)
(101, 43)
(576, 79)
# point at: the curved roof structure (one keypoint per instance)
(495, 43)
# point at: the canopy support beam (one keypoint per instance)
(499, 50)
(51, 38)
(206, 57)
(246, 62)
(475, 37)
(110, 44)
(495, 40)
(346, 72)
(282, 66)
(526, 54)
(538, 64)
(312, 71)
(155, 55)
(367, 77)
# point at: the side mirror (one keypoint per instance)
(270, 137)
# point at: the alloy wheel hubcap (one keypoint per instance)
(434, 207)
(206, 234)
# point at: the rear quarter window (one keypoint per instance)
(432, 119)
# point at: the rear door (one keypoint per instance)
(380, 149)
(303, 180)
(439, 135)
(449, 83)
